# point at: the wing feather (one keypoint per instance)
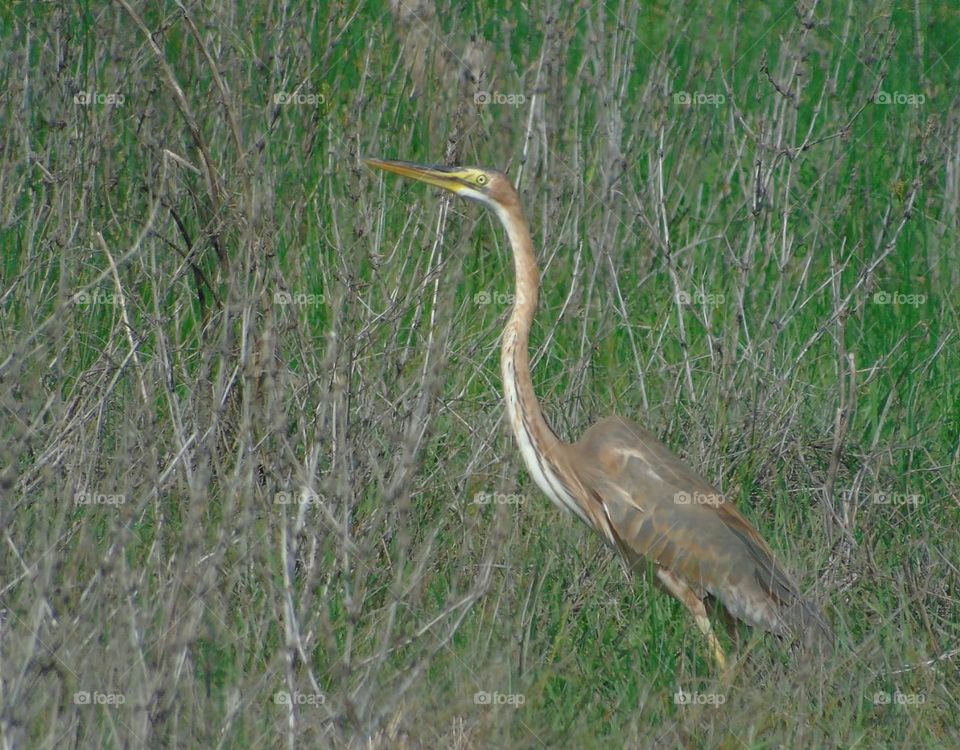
(655, 507)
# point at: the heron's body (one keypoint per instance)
(621, 481)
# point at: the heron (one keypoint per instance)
(643, 501)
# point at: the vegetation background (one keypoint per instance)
(256, 486)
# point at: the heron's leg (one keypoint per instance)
(695, 605)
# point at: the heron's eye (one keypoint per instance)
(481, 179)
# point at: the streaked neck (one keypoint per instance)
(541, 449)
(522, 405)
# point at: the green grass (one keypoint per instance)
(814, 168)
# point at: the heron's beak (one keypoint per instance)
(449, 178)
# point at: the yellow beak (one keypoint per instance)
(448, 178)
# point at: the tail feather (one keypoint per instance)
(801, 617)
(807, 621)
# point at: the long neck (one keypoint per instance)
(540, 447)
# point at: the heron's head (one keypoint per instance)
(484, 185)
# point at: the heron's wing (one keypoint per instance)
(658, 508)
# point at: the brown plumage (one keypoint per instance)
(620, 480)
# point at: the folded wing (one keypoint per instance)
(656, 508)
